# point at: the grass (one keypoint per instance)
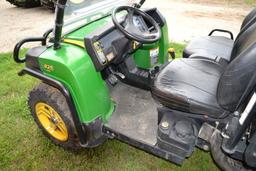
(250, 2)
(23, 147)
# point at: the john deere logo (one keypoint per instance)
(49, 68)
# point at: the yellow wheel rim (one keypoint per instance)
(51, 121)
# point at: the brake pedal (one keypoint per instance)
(112, 80)
(119, 74)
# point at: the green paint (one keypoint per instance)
(142, 55)
(164, 45)
(73, 67)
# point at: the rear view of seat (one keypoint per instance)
(217, 48)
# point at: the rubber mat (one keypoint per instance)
(135, 115)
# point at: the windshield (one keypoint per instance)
(81, 12)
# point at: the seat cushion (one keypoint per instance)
(211, 47)
(190, 85)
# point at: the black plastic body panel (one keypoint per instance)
(135, 79)
(155, 150)
(172, 149)
(177, 135)
(250, 153)
(156, 15)
(94, 135)
(110, 41)
(32, 57)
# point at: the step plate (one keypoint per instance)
(135, 115)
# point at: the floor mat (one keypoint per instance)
(135, 115)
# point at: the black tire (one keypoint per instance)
(224, 162)
(54, 98)
(13, 3)
(25, 4)
(50, 4)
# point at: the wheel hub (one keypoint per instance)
(51, 121)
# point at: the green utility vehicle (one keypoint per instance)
(107, 73)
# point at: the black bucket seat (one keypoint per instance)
(217, 48)
(204, 87)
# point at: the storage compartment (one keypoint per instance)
(177, 135)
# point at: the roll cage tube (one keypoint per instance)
(60, 8)
(17, 47)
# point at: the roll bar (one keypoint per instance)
(17, 47)
(59, 14)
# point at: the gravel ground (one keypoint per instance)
(18, 23)
(186, 19)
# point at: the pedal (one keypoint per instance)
(119, 74)
(112, 79)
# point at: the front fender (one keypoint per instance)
(72, 66)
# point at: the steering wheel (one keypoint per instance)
(129, 29)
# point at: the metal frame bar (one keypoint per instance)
(223, 31)
(17, 47)
(237, 128)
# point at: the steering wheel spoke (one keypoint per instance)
(150, 35)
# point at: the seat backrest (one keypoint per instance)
(239, 78)
(248, 18)
(244, 40)
(243, 37)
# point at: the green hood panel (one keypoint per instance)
(72, 66)
(80, 33)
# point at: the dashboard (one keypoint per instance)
(108, 45)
